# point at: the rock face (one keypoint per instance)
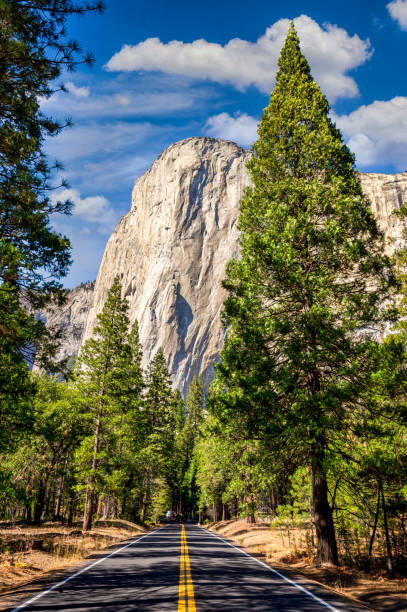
(71, 319)
(386, 193)
(170, 252)
(171, 249)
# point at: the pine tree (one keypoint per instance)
(102, 370)
(127, 433)
(185, 444)
(34, 51)
(160, 410)
(194, 402)
(312, 273)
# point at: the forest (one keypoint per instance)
(304, 423)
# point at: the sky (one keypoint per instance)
(165, 71)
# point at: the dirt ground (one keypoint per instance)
(30, 553)
(289, 555)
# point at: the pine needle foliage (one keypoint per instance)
(34, 51)
(312, 274)
(102, 373)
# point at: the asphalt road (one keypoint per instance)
(182, 569)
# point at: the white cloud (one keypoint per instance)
(331, 51)
(92, 209)
(377, 132)
(241, 128)
(79, 92)
(398, 10)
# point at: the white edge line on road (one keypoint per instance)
(269, 567)
(84, 569)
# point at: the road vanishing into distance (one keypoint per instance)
(181, 568)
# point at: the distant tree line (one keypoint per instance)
(113, 441)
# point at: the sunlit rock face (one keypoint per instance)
(70, 319)
(386, 193)
(171, 249)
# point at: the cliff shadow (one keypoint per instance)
(183, 317)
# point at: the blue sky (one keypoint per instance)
(165, 71)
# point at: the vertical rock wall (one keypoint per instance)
(171, 249)
(170, 252)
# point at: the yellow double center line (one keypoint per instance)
(186, 600)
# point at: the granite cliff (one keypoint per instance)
(171, 249)
(70, 319)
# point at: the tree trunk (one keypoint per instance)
(40, 503)
(389, 561)
(323, 518)
(50, 501)
(90, 489)
(59, 497)
(115, 508)
(146, 493)
(99, 508)
(250, 514)
(372, 537)
(89, 506)
(71, 512)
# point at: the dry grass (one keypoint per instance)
(61, 547)
(291, 553)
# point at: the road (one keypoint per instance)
(182, 569)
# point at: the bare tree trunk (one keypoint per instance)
(372, 537)
(327, 550)
(71, 512)
(144, 502)
(250, 514)
(389, 561)
(40, 502)
(90, 489)
(50, 500)
(323, 518)
(60, 493)
(89, 505)
(115, 508)
(99, 508)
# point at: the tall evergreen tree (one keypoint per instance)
(34, 50)
(102, 370)
(185, 445)
(312, 273)
(194, 403)
(160, 411)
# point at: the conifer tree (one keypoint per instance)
(34, 51)
(160, 411)
(194, 403)
(102, 370)
(185, 444)
(312, 273)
